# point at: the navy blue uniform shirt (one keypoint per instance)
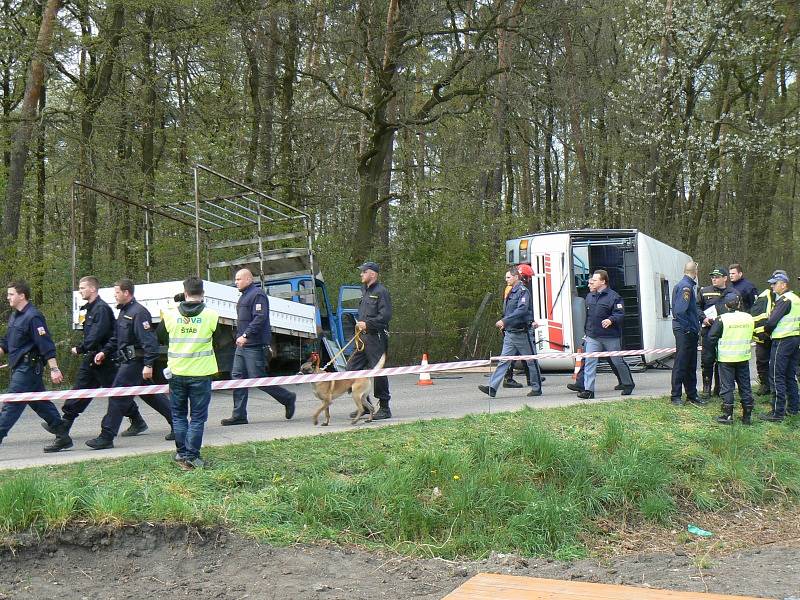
(27, 332)
(98, 326)
(252, 316)
(747, 292)
(518, 309)
(134, 328)
(685, 312)
(375, 308)
(601, 306)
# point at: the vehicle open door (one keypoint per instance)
(347, 313)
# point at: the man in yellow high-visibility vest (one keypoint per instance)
(730, 336)
(783, 326)
(191, 361)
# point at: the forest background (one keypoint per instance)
(418, 133)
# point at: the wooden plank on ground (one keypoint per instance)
(489, 586)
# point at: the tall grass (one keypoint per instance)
(532, 482)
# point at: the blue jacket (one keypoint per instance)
(134, 327)
(518, 309)
(98, 327)
(601, 306)
(375, 308)
(685, 312)
(27, 332)
(252, 316)
(747, 292)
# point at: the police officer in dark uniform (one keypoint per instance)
(98, 328)
(134, 346)
(253, 336)
(686, 328)
(29, 347)
(517, 338)
(374, 314)
(711, 295)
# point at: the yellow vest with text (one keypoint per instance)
(763, 299)
(737, 331)
(190, 352)
(789, 325)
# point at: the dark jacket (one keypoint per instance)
(375, 308)
(134, 328)
(252, 316)
(685, 313)
(27, 332)
(518, 309)
(601, 306)
(747, 292)
(713, 296)
(98, 326)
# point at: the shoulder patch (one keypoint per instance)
(258, 307)
(687, 292)
(619, 305)
(146, 325)
(41, 331)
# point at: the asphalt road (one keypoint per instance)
(451, 396)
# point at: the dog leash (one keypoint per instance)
(359, 346)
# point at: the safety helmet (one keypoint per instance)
(525, 270)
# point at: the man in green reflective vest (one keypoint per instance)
(191, 362)
(783, 326)
(761, 310)
(731, 334)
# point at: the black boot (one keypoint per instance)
(137, 426)
(706, 393)
(747, 413)
(62, 441)
(383, 412)
(726, 418)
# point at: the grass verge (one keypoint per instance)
(531, 482)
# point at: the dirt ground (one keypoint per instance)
(149, 561)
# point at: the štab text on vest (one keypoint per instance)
(737, 332)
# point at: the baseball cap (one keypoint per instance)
(525, 270)
(719, 272)
(371, 266)
(778, 275)
(732, 300)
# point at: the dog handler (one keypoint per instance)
(374, 314)
(191, 360)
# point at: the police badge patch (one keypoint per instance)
(41, 331)
(686, 294)
(619, 306)
(258, 307)
(146, 325)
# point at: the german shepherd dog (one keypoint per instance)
(327, 391)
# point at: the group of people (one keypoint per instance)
(122, 351)
(729, 317)
(605, 312)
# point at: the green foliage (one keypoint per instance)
(533, 482)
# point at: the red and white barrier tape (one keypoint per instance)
(231, 384)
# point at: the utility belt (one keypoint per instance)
(32, 359)
(126, 354)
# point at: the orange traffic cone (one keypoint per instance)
(425, 378)
(578, 365)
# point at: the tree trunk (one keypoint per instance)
(583, 205)
(22, 137)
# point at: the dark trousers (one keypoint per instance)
(27, 377)
(738, 373)
(375, 346)
(130, 373)
(684, 369)
(189, 397)
(92, 376)
(248, 363)
(783, 368)
(708, 359)
(762, 364)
